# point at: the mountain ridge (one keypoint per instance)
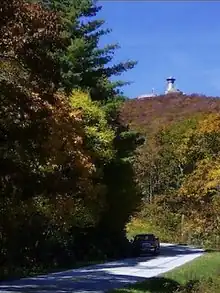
(152, 113)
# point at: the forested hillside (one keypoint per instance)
(78, 161)
(150, 114)
(177, 168)
(67, 182)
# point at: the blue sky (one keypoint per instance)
(166, 38)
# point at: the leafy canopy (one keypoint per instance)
(99, 135)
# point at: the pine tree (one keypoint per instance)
(84, 64)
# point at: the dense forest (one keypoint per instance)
(177, 168)
(67, 183)
(81, 165)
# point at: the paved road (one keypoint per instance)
(100, 278)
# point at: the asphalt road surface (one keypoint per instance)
(101, 278)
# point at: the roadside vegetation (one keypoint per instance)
(177, 168)
(198, 276)
(81, 166)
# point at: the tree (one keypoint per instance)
(199, 192)
(84, 64)
(46, 172)
(60, 155)
(27, 31)
(112, 147)
(99, 134)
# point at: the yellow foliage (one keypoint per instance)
(99, 134)
(210, 124)
(205, 178)
(66, 138)
(194, 147)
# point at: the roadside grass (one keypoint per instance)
(199, 276)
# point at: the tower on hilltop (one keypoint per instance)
(171, 86)
(170, 89)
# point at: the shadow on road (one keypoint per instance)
(175, 250)
(98, 278)
(97, 282)
(153, 285)
(166, 251)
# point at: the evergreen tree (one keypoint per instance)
(84, 64)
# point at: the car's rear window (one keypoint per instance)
(145, 237)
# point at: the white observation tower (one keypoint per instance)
(170, 85)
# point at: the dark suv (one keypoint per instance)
(145, 243)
